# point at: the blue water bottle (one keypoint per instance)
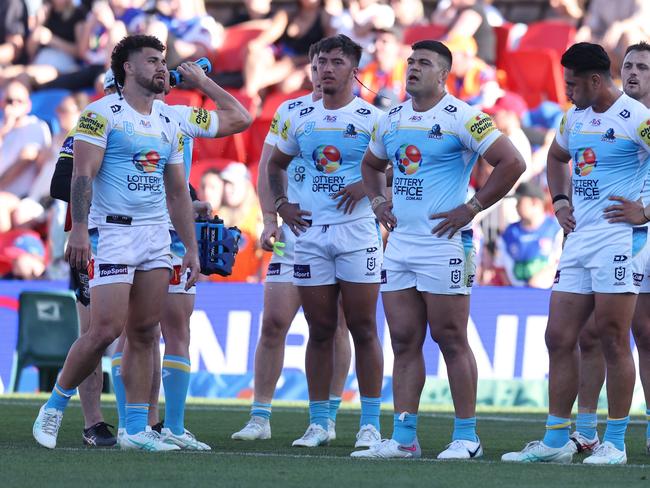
(175, 77)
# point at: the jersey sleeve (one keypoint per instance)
(95, 123)
(196, 121)
(476, 131)
(376, 145)
(562, 134)
(643, 130)
(178, 147)
(288, 142)
(276, 124)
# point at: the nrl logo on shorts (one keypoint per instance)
(455, 276)
(371, 263)
(619, 273)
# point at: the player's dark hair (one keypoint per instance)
(128, 46)
(210, 171)
(436, 47)
(586, 58)
(314, 49)
(349, 48)
(641, 46)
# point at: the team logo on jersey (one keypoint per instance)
(585, 161)
(624, 114)
(408, 158)
(295, 104)
(91, 124)
(644, 131)
(128, 128)
(327, 158)
(306, 111)
(363, 111)
(116, 108)
(394, 110)
(181, 143)
(284, 133)
(330, 118)
(480, 126)
(350, 131)
(274, 124)
(609, 136)
(309, 128)
(435, 132)
(145, 123)
(146, 161)
(201, 118)
(451, 109)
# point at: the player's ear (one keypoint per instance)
(355, 72)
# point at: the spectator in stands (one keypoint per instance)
(279, 55)
(212, 190)
(13, 31)
(471, 79)
(616, 25)
(569, 10)
(468, 18)
(22, 255)
(22, 137)
(528, 251)
(385, 74)
(361, 19)
(407, 12)
(254, 10)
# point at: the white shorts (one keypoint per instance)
(645, 284)
(280, 268)
(177, 281)
(118, 251)
(594, 263)
(430, 264)
(348, 252)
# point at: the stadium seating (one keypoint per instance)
(184, 97)
(536, 75)
(48, 324)
(504, 43)
(417, 33)
(44, 105)
(548, 34)
(231, 56)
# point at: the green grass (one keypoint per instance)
(275, 463)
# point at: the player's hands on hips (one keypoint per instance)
(77, 253)
(384, 213)
(201, 209)
(293, 216)
(626, 211)
(566, 219)
(192, 74)
(452, 221)
(270, 234)
(191, 262)
(349, 196)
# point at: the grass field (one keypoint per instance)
(275, 463)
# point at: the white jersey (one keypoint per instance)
(610, 153)
(129, 187)
(433, 153)
(331, 144)
(296, 169)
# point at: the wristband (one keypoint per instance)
(560, 204)
(378, 200)
(560, 197)
(475, 205)
(280, 201)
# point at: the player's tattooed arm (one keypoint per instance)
(81, 194)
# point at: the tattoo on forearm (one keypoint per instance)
(276, 185)
(81, 194)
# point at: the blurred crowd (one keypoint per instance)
(53, 54)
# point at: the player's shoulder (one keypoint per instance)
(293, 104)
(631, 110)
(363, 108)
(396, 111)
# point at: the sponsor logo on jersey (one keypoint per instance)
(146, 161)
(451, 109)
(480, 126)
(201, 118)
(274, 129)
(609, 136)
(584, 163)
(112, 270)
(562, 124)
(67, 149)
(327, 158)
(116, 108)
(624, 114)
(455, 262)
(363, 111)
(284, 133)
(306, 111)
(394, 110)
(644, 131)
(274, 269)
(620, 258)
(295, 104)
(435, 132)
(145, 123)
(301, 271)
(415, 118)
(330, 118)
(350, 131)
(128, 128)
(408, 159)
(92, 124)
(637, 278)
(595, 122)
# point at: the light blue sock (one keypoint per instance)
(261, 410)
(370, 408)
(319, 412)
(335, 403)
(60, 397)
(557, 431)
(615, 432)
(647, 416)
(176, 382)
(464, 430)
(586, 424)
(405, 426)
(118, 386)
(136, 417)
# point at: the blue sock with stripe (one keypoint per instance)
(557, 431)
(319, 412)
(60, 397)
(647, 416)
(586, 424)
(370, 408)
(176, 382)
(405, 426)
(262, 410)
(465, 430)
(118, 387)
(615, 432)
(136, 417)
(335, 403)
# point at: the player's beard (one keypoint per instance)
(151, 84)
